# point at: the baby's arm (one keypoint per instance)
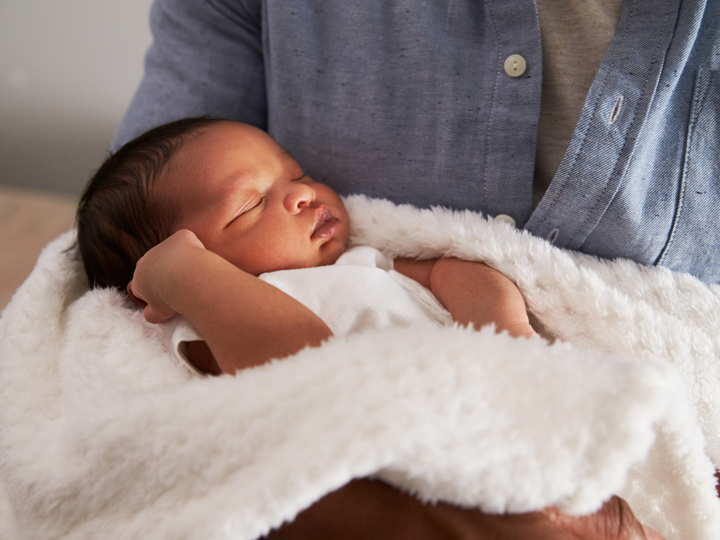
(245, 321)
(472, 292)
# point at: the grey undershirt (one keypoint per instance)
(576, 34)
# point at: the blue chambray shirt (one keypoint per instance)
(409, 100)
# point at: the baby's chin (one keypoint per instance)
(331, 251)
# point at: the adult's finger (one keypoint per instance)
(614, 521)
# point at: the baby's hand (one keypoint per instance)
(146, 286)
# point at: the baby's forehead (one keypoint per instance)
(216, 156)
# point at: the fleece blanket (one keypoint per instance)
(104, 435)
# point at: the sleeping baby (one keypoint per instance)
(213, 220)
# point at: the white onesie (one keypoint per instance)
(360, 292)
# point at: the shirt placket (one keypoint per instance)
(610, 124)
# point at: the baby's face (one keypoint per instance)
(248, 200)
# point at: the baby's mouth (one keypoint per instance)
(325, 224)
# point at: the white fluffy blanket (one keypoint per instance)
(103, 435)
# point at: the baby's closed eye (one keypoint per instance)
(246, 208)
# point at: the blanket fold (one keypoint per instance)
(102, 433)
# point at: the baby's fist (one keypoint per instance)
(149, 279)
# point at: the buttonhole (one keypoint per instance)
(553, 235)
(615, 112)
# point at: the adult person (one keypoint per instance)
(445, 103)
(590, 123)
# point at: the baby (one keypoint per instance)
(186, 216)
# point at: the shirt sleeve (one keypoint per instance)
(205, 60)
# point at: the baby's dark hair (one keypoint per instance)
(120, 215)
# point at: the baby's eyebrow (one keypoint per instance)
(289, 155)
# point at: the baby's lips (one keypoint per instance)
(327, 229)
(325, 223)
(322, 214)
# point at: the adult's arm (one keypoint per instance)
(205, 59)
(370, 509)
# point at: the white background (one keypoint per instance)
(68, 69)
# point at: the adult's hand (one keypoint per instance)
(370, 509)
(615, 520)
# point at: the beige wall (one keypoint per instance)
(68, 69)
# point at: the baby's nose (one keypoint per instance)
(299, 195)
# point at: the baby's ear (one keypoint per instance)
(139, 301)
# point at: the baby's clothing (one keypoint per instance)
(360, 292)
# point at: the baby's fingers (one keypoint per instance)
(155, 316)
(134, 297)
(152, 314)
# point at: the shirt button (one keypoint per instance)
(506, 219)
(515, 65)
